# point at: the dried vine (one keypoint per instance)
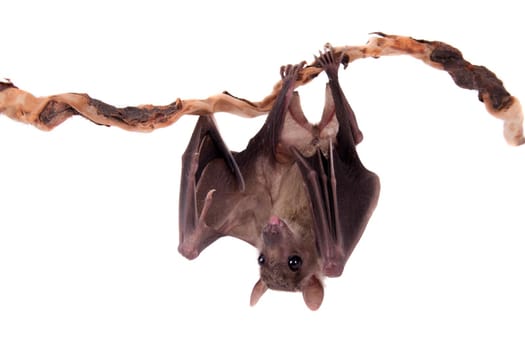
(47, 112)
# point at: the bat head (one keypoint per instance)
(288, 262)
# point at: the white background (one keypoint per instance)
(88, 214)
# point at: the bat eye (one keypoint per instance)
(261, 259)
(295, 262)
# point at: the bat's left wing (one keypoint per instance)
(206, 149)
(342, 191)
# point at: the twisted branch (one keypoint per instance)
(47, 112)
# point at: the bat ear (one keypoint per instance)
(257, 291)
(313, 293)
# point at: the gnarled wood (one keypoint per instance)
(47, 112)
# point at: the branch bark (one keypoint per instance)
(47, 112)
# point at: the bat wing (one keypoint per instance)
(206, 147)
(343, 198)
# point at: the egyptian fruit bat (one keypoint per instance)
(298, 192)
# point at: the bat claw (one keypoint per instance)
(290, 72)
(328, 61)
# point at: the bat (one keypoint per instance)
(299, 192)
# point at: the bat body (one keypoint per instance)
(298, 192)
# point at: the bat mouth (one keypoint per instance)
(273, 231)
(272, 236)
(281, 287)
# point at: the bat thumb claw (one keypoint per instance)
(188, 252)
(333, 269)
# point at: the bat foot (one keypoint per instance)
(290, 72)
(329, 63)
